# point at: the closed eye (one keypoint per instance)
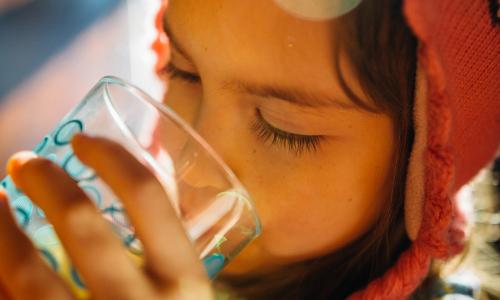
(173, 72)
(295, 143)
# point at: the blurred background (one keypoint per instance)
(53, 51)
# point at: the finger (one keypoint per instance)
(169, 253)
(23, 273)
(87, 238)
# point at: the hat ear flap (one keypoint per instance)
(415, 177)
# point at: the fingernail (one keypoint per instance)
(78, 139)
(82, 135)
(3, 197)
(18, 159)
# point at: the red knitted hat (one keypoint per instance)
(457, 128)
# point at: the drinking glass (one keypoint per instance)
(217, 213)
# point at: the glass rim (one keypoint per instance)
(167, 112)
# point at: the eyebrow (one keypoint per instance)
(300, 97)
(304, 97)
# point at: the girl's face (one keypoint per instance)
(259, 85)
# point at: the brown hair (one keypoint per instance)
(382, 51)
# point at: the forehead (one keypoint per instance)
(248, 37)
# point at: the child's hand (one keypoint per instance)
(172, 269)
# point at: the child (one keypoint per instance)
(351, 131)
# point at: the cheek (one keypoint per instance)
(302, 221)
(312, 209)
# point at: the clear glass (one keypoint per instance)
(216, 210)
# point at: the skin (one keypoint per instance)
(103, 263)
(310, 201)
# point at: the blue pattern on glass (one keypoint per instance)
(39, 148)
(76, 278)
(117, 214)
(93, 194)
(21, 205)
(129, 239)
(49, 258)
(52, 157)
(22, 217)
(46, 236)
(66, 131)
(11, 189)
(23, 209)
(40, 212)
(75, 168)
(133, 244)
(213, 264)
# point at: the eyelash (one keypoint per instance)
(173, 72)
(295, 143)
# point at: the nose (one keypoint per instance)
(209, 197)
(202, 162)
(199, 167)
(194, 158)
(200, 173)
